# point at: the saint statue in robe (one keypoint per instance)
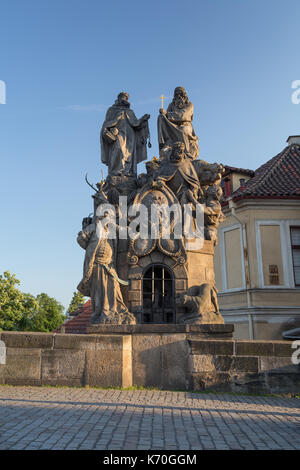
(100, 280)
(175, 125)
(179, 174)
(123, 138)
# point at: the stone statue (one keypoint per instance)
(153, 210)
(201, 303)
(175, 125)
(213, 214)
(123, 138)
(179, 174)
(208, 173)
(100, 280)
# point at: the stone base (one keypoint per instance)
(114, 319)
(213, 331)
(168, 361)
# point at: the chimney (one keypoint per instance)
(227, 186)
(293, 139)
(242, 184)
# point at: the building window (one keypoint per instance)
(271, 254)
(274, 275)
(295, 243)
(158, 295)
(234, 268)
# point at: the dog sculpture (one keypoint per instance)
(201, 303)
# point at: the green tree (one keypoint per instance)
(15, 306)
(49, 314)
(76, 301)
(24, 312)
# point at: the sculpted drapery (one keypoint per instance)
(180, 176)
(123, 138)
(175, 125)
(100, 280)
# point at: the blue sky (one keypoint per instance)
(64, 62)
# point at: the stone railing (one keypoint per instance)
(243, 366)
(180, 359)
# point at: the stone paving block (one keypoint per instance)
(183, 420)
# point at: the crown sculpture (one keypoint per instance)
(149, 246)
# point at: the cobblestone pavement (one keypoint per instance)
(66, 418)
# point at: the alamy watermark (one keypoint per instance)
(2, 92)
(296, 94)
(296, 354)
(154, 222)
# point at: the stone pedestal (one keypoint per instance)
(161, 352)
(169, 358)
(198, 269)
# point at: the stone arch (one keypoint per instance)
(135, 276)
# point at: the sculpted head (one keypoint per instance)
(178, 152)
(180, 97)
(123, 99)
(183, 299)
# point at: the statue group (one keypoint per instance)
(176, 178)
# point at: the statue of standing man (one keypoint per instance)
(175, 125)
(123, 138)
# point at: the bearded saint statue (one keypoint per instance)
(179, 174)
(175, 125)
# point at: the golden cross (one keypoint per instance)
(162, 97)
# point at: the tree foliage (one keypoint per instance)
(24, 312)
(48, 315)
(76, 301)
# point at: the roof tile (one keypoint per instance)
(278, 177)
(78, 324)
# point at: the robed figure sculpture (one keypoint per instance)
(100, 279)
(175, 125)
(123, 138)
